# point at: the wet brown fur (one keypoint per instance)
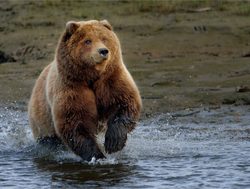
(74, 92)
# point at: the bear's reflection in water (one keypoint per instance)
(77, 173)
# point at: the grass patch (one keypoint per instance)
(240, 7)
(127, 7)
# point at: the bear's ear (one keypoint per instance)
(106, 24)
(71, 27)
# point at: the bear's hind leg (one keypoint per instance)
(51, 142)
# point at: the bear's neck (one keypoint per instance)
(70, 72)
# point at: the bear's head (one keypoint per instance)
(87, 48)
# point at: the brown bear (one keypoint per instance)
(86, 90)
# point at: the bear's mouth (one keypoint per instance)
(99, 60)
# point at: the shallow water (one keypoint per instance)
(206, 149)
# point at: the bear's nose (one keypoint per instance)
(103, 52)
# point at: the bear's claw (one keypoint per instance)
(90, 150)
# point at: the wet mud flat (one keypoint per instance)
(196, 148)
(179, 57)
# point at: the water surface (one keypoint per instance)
(203, 149)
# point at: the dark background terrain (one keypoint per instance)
(182, 54)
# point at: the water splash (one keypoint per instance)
(14, 132)
(160, 136)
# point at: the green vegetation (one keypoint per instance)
(239, 7)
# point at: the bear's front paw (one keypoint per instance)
(115, 138)
(89, 150)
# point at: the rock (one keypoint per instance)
(205, 9)
(6, 58)
(246, 55)
(242, 89)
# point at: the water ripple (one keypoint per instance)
(209, 149)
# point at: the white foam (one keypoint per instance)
(14, 131)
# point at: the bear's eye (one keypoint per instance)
(104, 39)
(87, 42)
